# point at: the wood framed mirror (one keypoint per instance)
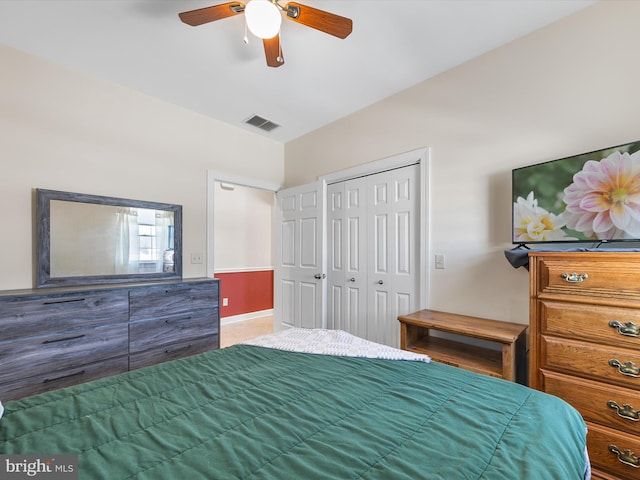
(86, 239)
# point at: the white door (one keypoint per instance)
(392, 231)
(347, 265)
(373, 268)
(299, 275)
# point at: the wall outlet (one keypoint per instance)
(225, 302)
(440, 261)
(196, 258)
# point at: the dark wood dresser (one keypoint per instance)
(56, 337)
(585, 348)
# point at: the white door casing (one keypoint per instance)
(299, 275)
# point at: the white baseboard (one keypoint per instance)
(245, 316)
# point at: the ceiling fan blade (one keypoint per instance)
(273, 52)
(326, 22)
(211, 14)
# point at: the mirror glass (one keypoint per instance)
(89, 239)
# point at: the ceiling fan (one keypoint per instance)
(264, 17)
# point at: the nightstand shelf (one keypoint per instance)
(509, 362)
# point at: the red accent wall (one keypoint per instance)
(247, 292)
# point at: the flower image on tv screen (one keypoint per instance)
(591, 197)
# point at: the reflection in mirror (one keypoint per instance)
(89, 239)
(85, 239)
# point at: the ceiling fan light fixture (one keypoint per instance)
(263, 18)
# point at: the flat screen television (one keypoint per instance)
(590, 197)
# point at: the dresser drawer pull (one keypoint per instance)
(628, 369)
(627, 457)
(171, 351)
(62, 377)
(75, 337)
(66, 300)
(626, 411)
(628, 329)
(169, 321)
(574, 277)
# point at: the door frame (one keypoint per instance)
(422, 157)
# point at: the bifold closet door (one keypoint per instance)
(347, 263)
(392, 233)
(373, 263)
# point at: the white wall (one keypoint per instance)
(569, 88)
(63, 130)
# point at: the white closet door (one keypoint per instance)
(347, 265)
(299, 298)
(373, 270)
(356, 260)
(335, 261)
(393, 204)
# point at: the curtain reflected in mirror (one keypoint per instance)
(94, 239)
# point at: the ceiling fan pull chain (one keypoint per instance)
(245, 39)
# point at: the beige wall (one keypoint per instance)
(63, 130)
(566, 89)
(243, 221)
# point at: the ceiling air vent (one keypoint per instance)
(261, 123)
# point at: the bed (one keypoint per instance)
(302, 404)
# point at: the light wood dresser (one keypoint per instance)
(585, 348)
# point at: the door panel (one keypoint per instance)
(393, 280)
(356, 262)
(335, 273)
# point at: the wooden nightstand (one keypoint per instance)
(508, 363)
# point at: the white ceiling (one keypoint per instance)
(395, 44)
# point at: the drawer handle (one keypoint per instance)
(169, 321)
(627, 457)
(75, 337)
(629, 329)
(628, 368)
(626, 411)
(574, 277)
(171, 351)
(75, 374)
(69, 300)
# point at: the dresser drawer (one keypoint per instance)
(599, 362)
(610, 278)
(147, 334)
(608, 405)
(38, 355)
(160, 301)
(597, 323)
(63, 378)
(173, 351)
(57, 313)
(609, 449)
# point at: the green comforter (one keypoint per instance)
(255, 413)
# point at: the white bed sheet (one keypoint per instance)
(332, 342)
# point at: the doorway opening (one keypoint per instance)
(240, 251)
